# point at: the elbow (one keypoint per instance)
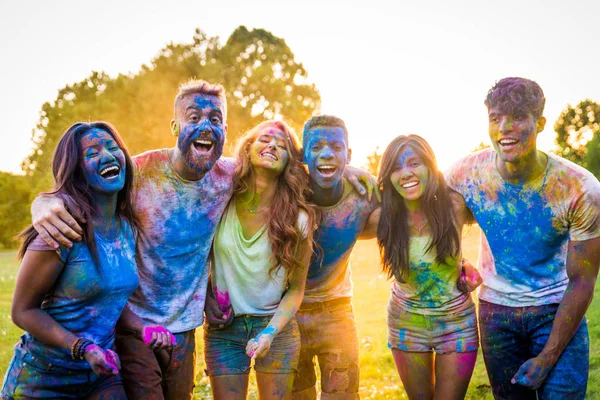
(16, 315)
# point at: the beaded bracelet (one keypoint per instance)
(78, 348)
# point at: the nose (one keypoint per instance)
(505, 125)
(326, 152)
(406, 173)
(205, 126)
(107, 156)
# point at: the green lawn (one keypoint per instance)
(379, 379)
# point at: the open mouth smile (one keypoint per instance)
(409, 185)
(327, 170)
(269, 155)
(110, 172)
(203, 145)
(508, 142)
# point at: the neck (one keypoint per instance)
(181, 166)
(263, 194)
(327, 196)
(527, 169)
(413, 206)
(105, 221)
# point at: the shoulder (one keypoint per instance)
(303, 222)
(564, 168)
(226, 165)
(151, 158)
(469, 168)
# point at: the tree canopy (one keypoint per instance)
(258, 70)
(578, 135)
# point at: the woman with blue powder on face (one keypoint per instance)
(262, 249)
(68, 300)
(430, 309)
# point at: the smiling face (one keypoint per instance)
(269, 149)
(201, 130)
(103, 162)
(514, 136)
(326, 154)
(410, 175)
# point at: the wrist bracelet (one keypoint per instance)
(74, 346)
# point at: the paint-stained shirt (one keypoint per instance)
(84, 301)
(431, 286)
(178, 222)
(329, 274)
(241, 268)
(527, 227)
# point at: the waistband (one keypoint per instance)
(321, 305)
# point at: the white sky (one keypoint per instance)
(386, 67)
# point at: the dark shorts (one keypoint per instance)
(455, 332)
(328, 333)
(162, 374)
(512, 335)
(225, 349)
(31, 377)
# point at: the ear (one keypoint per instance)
(174, 128)
(225, 130)
(540, 124)
(349, 156)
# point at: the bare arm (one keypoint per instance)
(37, 275)
(53, 222)
(290, 302)
(370, 229)
(583, 260)
(360, 179)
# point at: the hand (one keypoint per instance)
(157, 337)
(259, 346)
(102, 362)
(360, 179)
(533, 372)
(53, 222)
(216, 317)
(469, 278)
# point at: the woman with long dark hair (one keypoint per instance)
(68, 300)
(261, 252)
(430, 308)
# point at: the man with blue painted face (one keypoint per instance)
(179, 195)
(540, 254)
(325, 318)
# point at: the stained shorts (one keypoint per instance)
(28, 376)
(454, 332)
(328, 332)
(225, 349)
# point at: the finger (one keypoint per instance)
(519, 377)
(369, 189)
(161, 340)
(173, 339)
(67, 229)
(378, 193)
(116, 359)
(46, 236)
(357, 185)
(261, 351)
(57, 235)
(60, 218)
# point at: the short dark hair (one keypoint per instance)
(516, 95)
(323, 120)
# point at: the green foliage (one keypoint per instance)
(480, 146)
(257, 69)
(578, 135)
(14, 207)
(373, 161)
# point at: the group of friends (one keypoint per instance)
(127, 256)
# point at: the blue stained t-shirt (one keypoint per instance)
(84, 302)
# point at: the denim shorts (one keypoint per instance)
(31, 377)
(225, 349)
(455, 332)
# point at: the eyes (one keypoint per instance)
(267, 139)
(214, 119)
(514, 118)
(93, 151)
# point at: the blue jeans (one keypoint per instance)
(512, 335)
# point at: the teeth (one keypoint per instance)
(326, 167)
(203, 142)
(409, 185)
(271, 156)
(109, 169)
(508, 141)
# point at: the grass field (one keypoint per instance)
(379, 379)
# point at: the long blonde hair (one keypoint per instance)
(293, 187)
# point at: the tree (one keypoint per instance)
(257, 69)
(14, 206)
(373, 161)
(578, 135)
(480, 146)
